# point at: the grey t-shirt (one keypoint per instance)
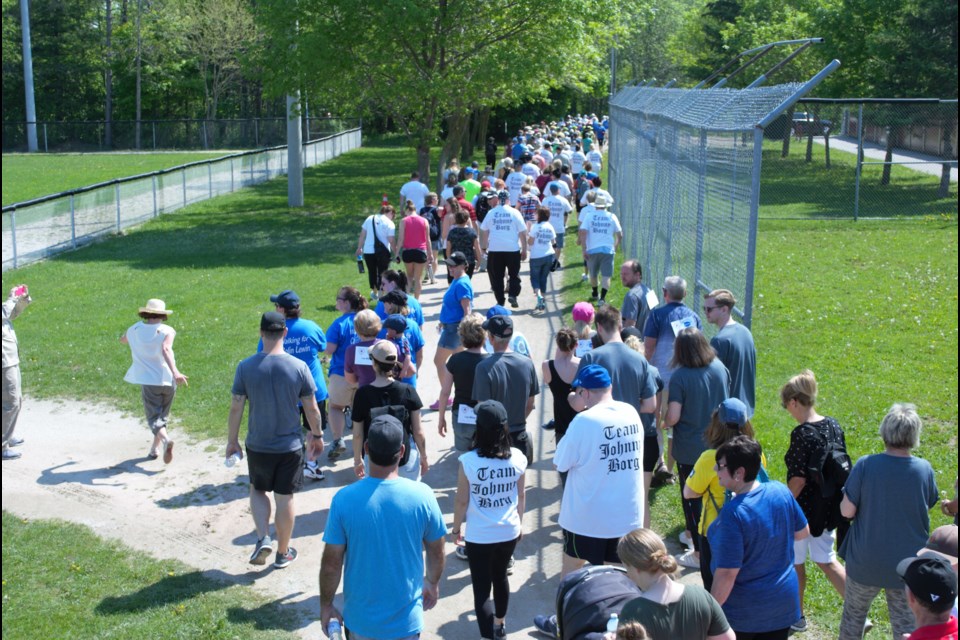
(893, 496)
(274, 385)
(635, 305)
(735, 348)
(699, 392)
(633, 379)
(511, 379)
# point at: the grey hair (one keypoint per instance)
(676, 287)
(901, 427)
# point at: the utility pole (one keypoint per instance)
(28, 76)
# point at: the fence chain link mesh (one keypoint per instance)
(32, 232)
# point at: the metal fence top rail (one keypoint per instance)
(159, 172)
(158, 120)
(904, 101)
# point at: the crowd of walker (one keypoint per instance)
(635, 391)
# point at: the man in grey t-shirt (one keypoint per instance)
(639, 299)
(734, 346)
(274, 382)
(510, 378)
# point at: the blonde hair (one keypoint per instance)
(643, 550)
(802, 388)
(367, 323)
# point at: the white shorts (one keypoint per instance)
(821, 548)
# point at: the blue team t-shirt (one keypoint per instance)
(754, 533)
(383, 524)
(342, 334)
(660, 326)
(451, 310)
(305, 341)
(413, 306)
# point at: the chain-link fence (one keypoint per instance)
(855, 158)
(46, 226)
(685, 170)
(250, 133)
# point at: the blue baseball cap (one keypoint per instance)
(592, 376)
(732, 411)
(287, 299)
(498, 310)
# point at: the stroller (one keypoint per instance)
(587, 597)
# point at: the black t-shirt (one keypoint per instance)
(802, 444)
(370, 397)
(462, 366)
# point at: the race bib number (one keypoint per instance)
(362, 356)
(651, 299)
(466, 415)
(683, 323)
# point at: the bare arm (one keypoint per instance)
(350, 377)
(465, 304)
(358, 449)
(545, 371)
(446, 386)
(673, 414)
(521, 499)
(484, 239)
(421, 441)
(331, 567)
(723, 580)
(847, 509)
(363, 238)
(531, 403)
(690, 494)
(171, 361)
(803, 533)
(331, 348)
(649, 345)
(460, 503)
(729, 634)
(237, 405)
(431, 581)
(312, 411)
(648, 405)
(796, 485)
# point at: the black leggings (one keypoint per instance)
(488, 568)
(375, 268)
(691, 508)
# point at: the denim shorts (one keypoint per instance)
(449, 336)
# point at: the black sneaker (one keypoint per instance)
(546, 624)
(510, 566)
(262, 551)
(500, 632)
(336, 449)
(513, 301)
(284, 559)
(800, 625)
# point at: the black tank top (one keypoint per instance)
(563, 413)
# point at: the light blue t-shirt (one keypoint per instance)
(451, 311)
(754, 533)
(383, 524)
(659, 325)
(342, 334)
(893, 496)
(305, 341)
(413, 305)
(699, 392)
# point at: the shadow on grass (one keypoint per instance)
(56, 475)
(170, 590)
(268, 616)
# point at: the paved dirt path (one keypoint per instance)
(86, 464)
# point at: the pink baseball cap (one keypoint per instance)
(583, 311)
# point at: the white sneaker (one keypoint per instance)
(314, 473)
(685, 540)
(689, 559)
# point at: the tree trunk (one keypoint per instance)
(457, 125)
(888, 156)
(809, 157)
(826, 148)
(108, 80)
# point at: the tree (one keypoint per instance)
(427, 63)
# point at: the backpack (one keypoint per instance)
(583, 185)
(433, 221)
(587, 597)
(399, 412)
(828, 468)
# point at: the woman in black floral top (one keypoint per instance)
(798, 397)
(462, 237)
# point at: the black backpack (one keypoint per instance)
(828, 468)
(587, 597)
(433, 221)
(399, 412)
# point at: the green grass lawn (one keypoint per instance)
(28, 176)
(871, 307)
(88, 588)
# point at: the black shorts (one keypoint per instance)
(651, 453)
(323, 416)
(596, 551)
(276, 472)
(417, 256)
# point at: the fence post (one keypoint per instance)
(183, 181)
(231, 176)
(256, 132)
(701, 200)
(45, 147)
(209, 181)
(13, 236)
(856, 192)
(73, 223)
(116, 195)
(154, 184)
(153, 125)
(754, 217)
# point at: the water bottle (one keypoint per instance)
(360, 263)
(334, 630)
(232, 461)
(612, 623)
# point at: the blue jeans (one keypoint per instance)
(539, 271)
